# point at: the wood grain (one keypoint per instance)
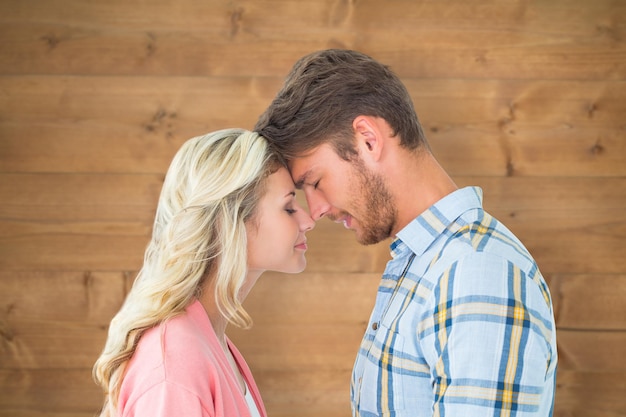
(476, 127)
(524, 99)
(155, 39)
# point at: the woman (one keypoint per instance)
(227, 212)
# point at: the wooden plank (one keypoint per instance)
(530, 152)
(238, 39)
(580, 394)
(536, 102)
(466, 102)
(324, 346)
(155, 106)
(120, 245)
(327, 317)
(313, 298)
(310, 393)
(110, 125)
(556, 152)
(577, 16)
(71, 393)
(509, 196)
(335, 347)
(73, 247)
(592, 351)
(575, 309)
(51, 198)
(526, 99)
(154, 103)
(189, 15)
(291, 368)
(571, 242)
(125, 124)
(590, 394)
(48, 344)
(96, 296)
(544, 152)
(63, 391)
(77, 222)
(93, 297)
(72, 334)
(76, 147)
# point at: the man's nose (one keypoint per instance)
(318, 205)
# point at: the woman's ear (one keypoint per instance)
(369, 137)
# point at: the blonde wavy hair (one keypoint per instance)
(211, 190)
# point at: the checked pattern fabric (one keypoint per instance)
(462, 325)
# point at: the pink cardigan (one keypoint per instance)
(180, 369)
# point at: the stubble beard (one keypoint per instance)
(378, 215)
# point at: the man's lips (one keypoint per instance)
(346, 220)
(302, 246)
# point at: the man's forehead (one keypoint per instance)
(303, 167)
(299, 174)
(300, 168)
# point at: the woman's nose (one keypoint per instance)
(306, 222)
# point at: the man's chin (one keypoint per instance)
(371, 236)
(367, 239)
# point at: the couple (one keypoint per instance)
(462, 324)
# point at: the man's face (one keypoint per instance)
(346, 192)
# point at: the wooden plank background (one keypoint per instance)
(525, 98)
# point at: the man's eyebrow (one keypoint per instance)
(302, 179)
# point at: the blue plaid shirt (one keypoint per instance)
(463, 322)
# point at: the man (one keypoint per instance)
(463, 322)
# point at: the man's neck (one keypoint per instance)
(417, 181)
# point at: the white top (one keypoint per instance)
(254, 411)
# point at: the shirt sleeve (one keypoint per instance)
(487, 339)
(167, 399)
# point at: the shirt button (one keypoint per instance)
(375, 326)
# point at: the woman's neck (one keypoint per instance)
(219, 324)
(218, 321)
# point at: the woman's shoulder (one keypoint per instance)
(179, 349)
(186, 340)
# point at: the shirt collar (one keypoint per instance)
(418, 235)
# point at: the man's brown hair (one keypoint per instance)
(324, 92)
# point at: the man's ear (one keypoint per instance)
(369, 138)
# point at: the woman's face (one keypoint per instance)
(276, 234)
